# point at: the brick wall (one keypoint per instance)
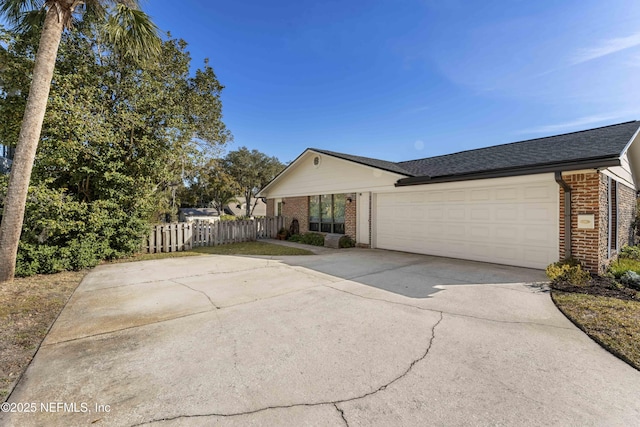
(626, 215)
(626, 212)
(603, 226)
(271, 207)
(590, 195)
(297, 208)
(350, 216)
(585, 199)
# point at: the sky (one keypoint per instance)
(408, 79)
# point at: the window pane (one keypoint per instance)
(338, 228)
(279, 213)
(314, 209)
(326, 228)
(314, 226)
(325, 208)
(338, 207)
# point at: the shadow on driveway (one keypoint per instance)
(410, 275)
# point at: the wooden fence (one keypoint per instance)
(183, 236)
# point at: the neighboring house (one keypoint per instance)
(510, 204)
(239, 207)
(198, 214)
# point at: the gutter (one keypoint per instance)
(602, 162)
(567, 214)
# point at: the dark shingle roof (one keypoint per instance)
(376, 163)
(600, 144)
(199, 211)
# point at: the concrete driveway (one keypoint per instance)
(350, 337)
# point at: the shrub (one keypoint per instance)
(228, 218)
(61, 233)
(314, 239)
(622, 265)
(346, 242)
(630, 252)
(631, 279)
(568, 271)
(295, 238)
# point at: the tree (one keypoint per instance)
(252, 170)
(132, 35)
(210, 186)
(118, 138)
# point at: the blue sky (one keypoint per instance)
(407, 79)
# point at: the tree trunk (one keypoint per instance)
(14, 203)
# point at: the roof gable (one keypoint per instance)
(334, 173)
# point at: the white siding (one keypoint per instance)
(622, 173)
(331, 176)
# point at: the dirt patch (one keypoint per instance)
(28, 307)
(600, 286)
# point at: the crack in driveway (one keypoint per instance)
(334, 403)
(470, 316)
(199, 291)
(341, 412)
(214, 308)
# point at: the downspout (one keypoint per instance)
(567, 214)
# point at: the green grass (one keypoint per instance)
(612, 322)
(28, 307)
(619, 267)
(245, 248)
(252, 248)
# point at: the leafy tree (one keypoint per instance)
(252, 170)
(210, 186)
(132, 34)
(118, 137)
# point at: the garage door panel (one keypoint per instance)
(538, 192)
(508, 224)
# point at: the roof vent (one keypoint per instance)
(316, 161)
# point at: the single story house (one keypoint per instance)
(198, 214)
(527, 203)
(239, 207)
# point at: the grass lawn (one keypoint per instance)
(30, 305)
(252, 248)
(245, 248)
(28, 308)
(612, 322)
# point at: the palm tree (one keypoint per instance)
(130, 31)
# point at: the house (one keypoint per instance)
(239, 207)
(527, 203)
(198, 214)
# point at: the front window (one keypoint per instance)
(326, 213)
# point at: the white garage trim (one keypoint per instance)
(511, 221)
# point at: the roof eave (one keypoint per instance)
(502, 173)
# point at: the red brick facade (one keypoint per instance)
(350, 216)
(298, 208)
(271, 207)
(590, 196)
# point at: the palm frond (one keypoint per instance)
(132, 33)
(14, 10)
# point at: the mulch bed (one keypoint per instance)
(600, 286)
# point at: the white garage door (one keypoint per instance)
(511, 221)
